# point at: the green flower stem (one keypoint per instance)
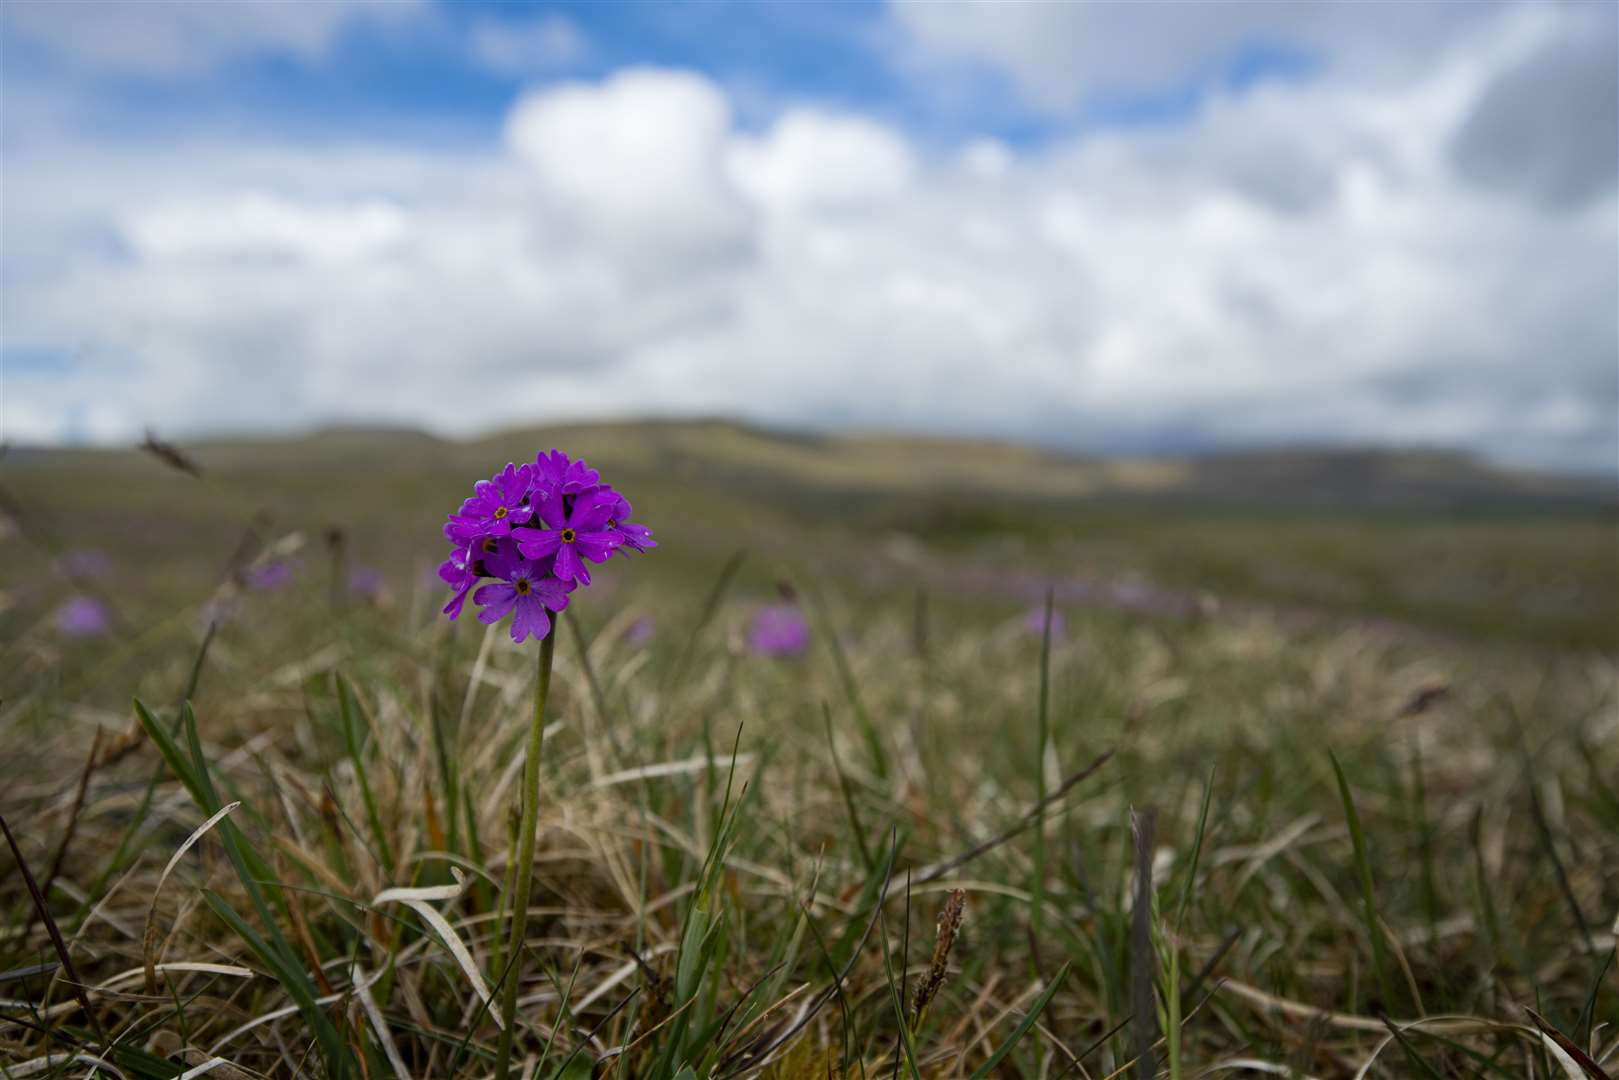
(524, 856)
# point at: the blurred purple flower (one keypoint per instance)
(640, 631)
(778, 630)
(82, 616)
(1034, 621)
(269, 577)
(85, 563)
(367, 581)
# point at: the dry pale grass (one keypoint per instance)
(745, 866)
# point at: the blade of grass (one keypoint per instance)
(855, 827)
(349, 710)
(55, 934)
(1037, 906)
(711, 607)
(907, 1047)
(1172, 983)
(840, 660)
(1143, 957)
(1419, 1064)
(1592, 1070)
(1023, 1028)
(293, 980)
(1363, 866)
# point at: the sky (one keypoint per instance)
(1106, 227)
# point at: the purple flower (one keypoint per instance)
(1034, 621)
(525, 594)
(269, 577)
(492, 556)
(640, 631)
(82, 616)
(575, 532)
(555, 471)
(367, 581)
(636, 537)
(778, 630)
(501, 502)
(532, 528)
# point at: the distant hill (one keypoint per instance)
(753, 459)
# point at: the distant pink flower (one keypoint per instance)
(270, 577)
(778, 630)
(82, 616)
(1034, 621)
(640, 631)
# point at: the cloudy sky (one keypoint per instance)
(1115, 227)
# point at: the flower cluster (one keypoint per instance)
(531, 529)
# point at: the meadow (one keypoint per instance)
(1281, 764)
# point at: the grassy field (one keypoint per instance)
(1320, 776)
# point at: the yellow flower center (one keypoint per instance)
(489, 545)
(567, 536)
(500, 512)
(522, 586)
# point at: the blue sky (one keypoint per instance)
(427, 73)
(1101, 226)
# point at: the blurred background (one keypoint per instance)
(1211, 385)
(1308, 302)
(1104, 227)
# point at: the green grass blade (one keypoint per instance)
(1022, 1029)
(1037, 907)
(1419, 1064)
(293, 980)
(855, 827)
(1363, 866)
(349, 711)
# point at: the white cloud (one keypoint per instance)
(189, 37)
(1057, 54)
(636, 161)
(814, 161)
(1301, 262)
(546, 44)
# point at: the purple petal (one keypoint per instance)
(592, 509)
(458, 601)
(552, 593)
(515, 481)
(496, 600)
(530, 619)
(551, 509)
(636, 536)
(568, 567)
(537, 543)
(598, 546)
